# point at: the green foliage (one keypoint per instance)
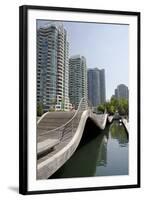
(51, 109)
(118, 132)
(123, 107)
(101, 108)
(40, 109)
(119, 105)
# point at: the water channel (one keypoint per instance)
(100, 153)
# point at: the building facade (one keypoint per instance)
(102, 86)
(77, 79)
(52, 67)
(122, 92)
(96, 86)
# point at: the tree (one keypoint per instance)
(120, 105)
(123, 106)
(40, 109)
(101, 108)
(114, 102)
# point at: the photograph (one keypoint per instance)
(79, 113)
(82, 99)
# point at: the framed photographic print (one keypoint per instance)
(79, 99)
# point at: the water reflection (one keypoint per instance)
(100, 153)
(118, 132)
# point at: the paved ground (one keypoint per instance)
(46, 145)
(52, 121)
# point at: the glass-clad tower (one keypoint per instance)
(52, 66)
(96, 86)
(77, 79)
(122, 92)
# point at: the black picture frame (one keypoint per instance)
(23, 97)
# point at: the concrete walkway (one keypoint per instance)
(46, 145)
(51, 121)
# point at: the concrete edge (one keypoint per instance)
(95, 120)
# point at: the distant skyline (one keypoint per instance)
(104, 46)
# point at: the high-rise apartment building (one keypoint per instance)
(121, 92)
(52, 67)
(102, 85)
(77, 79)
(96, 86)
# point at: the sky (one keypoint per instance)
(104, 46)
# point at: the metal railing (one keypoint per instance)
(67, 130)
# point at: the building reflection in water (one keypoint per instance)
(102, 157)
